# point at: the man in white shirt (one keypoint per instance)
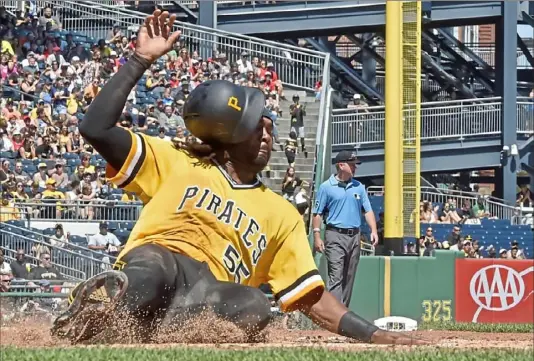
(244, 65)
(104, 241)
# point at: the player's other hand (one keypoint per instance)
(318, 245)
(396, 338)
(155, 37)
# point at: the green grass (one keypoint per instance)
(307, 354)
(479, 327)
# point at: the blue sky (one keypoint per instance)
(525, 31)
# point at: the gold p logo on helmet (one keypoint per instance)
(233, 103)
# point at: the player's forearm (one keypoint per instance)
(371, 220)
(332, 315)
(99, 124)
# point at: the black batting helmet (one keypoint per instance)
(220, 111)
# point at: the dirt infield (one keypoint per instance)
(220, 335)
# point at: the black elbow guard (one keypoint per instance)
(353, 326)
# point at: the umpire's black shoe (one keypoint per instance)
(91, 305)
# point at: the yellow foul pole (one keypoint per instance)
(393, 197)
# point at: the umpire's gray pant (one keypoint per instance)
(342, 256)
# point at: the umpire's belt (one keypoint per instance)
(348, 231)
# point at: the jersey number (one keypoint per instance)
(234, 264)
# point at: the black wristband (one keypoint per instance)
(353, 326)
(142, 61)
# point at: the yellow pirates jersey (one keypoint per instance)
(291, 144)
(246, 233)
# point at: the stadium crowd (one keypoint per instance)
(49, 78)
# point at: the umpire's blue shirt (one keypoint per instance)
(342, 202)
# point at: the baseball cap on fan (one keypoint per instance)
(346, 156)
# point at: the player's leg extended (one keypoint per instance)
(151, 271)
(143, 288)
(247, 307)
(198, 290)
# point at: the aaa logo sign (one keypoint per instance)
(494, 291)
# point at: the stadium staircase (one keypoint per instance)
(303, 164)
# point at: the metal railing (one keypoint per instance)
(297, 67)
(486, 53)
(429, 85)
(494, 206)
(456, 119)
(75, 211)
(525, 116)
(72, 262)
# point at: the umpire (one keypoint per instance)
(340, 199)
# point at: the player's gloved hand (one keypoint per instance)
(396, 338)
(155, 38)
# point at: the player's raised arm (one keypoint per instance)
(99, 125)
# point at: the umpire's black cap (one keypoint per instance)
(222, 112)
(346, 156)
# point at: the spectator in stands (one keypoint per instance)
(491, 252)
(49, 22)
(290, 182)
(21, 267)
(5, 268)
(20, 194)
(8, 211)
(448, 214)
(51, 191)
(454, 237)
(476, 249)
(21, 175)
(302, 199)
(5, 281)
(59, 176)
(59, 239)
(525, 197)
(243, 64)
(503, 254)
(429, 214)
(5, 170)
(429, 243)
(78, 174)
(479, 210)
(104, 241)
(298, 112)
(515, 252)
(291, 148)
(170, 119)
(85, 197)
(6, 145)
(466, 247)
(45, 270)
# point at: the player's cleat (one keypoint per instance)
(93, 302)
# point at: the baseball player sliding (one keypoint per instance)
(210, 232)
